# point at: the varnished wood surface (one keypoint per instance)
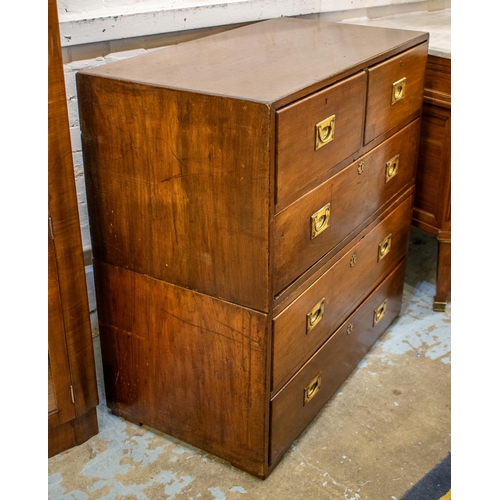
(381, 115)
(66, 265)
(180, 170)
(438, 82)
(346, 283)
(61, 408)
(433, 179)
(179, 186)
(335, 361)
(432, 210)
(185, 363)
(353, 198)
(287, 58)
(295, 135)
(72, 433)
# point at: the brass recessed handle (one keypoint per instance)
(391, 168)
(315, 315)
(384, 248)
(312, 389)
(320, 220)
(325, 131)
(379, 313)
(398, 90)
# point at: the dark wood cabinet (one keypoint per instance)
(250, 198)
(72, 388)
(432, 210)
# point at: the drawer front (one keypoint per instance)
(301, 399)
(342, 204)
(316, 133)
(395, 91)
(308, 321)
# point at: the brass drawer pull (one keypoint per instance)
(391, 168)
(384, 248)
(325, 131)
(398, 90)
(312, 389)
(379, 313)
(320, 220)
(315, 315)
(350, 328)
(361, 167)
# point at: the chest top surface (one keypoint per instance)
(273, 62)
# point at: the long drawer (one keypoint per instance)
(335, 210)
(307, 392)
(308, 321)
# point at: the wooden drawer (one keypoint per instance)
(290, 413)
(300, 155)
(353, 196)
(296, 335)
(383, 110)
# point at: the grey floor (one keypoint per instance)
(387, 426)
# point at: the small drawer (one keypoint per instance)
(395, 91)
(316, 133)
(337, 209)
(311, 318)
(310, 389)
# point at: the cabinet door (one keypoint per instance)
(61, 407)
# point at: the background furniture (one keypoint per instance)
(72, 388)
(432, 205)
(250, 197)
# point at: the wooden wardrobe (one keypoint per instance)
(72, 386)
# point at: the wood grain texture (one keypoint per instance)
(287, 59)
(185, 363)
(335, 361)
(432, 210)
(62, 408)
(354, 197)
(433, 178)
(192, 248)
(179, 186)
(341, 286)
(438, 81)
(72, 433)
(66, 266)
(381, 116)
(295, 135)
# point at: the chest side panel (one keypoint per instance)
(178, 186)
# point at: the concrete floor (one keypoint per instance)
(386, 428)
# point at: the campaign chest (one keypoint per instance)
(250, 198)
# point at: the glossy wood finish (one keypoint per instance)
(178, 186)
(432, 210)
(356, 194)
(295, 135)
(180, 149)
(335, 361)
(287, 59)
(71, 356)
(381, 115)
(169, 362)
(348, 281)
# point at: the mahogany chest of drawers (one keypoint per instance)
(250, 198)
